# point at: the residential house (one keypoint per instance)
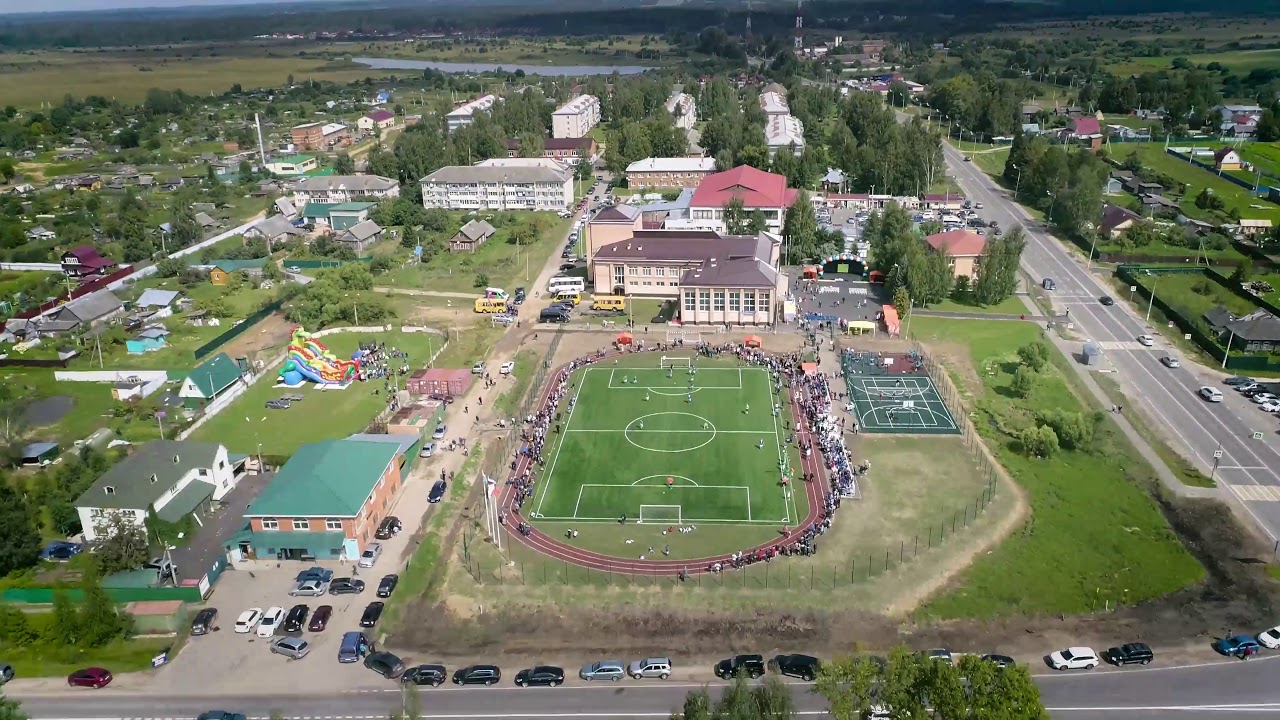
(493, 187)
(344, 188)
(362, 236)
(274, 229)
(210, 380)
(465, 114)
(1250, 227)
(1113, 186)
(160, 303)
(221, 270)
(758, 190)
(471, 236)
(962, 248)
(319, 135)
(1030, 113)
(1160, 205)
(682, 109)
(84, 312)
(1030, 128)
(345, 216)
(566, 151)
(1227, 159)
(380, 119)
(40, 233)
(1116, 219)
(286, 208)
(172, 478)
(669, 172)
(85, 260)
(576, 118)
(613, 223)
(205, 222)
(293, 165)
(1257, 332)
(325, 503)
(1086, 131)
(149, 340)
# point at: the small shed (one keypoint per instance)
(149, 340)
(1091, 354)
(39, 453)
(439, 382)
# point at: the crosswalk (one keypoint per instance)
(1257, 493)
(1122, 345)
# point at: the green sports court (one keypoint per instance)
(899, 404)
(670, 439)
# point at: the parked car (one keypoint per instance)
(613, 670)
(440, 431)
(804, 667)
(1146, 340)
(354, 646)
(346, 586)
(437, 491)
(294, 648)
(248, 620)
(6, 673)
(370, 556)
(428, 449)
(477, 675)
(277, 405)
(1236, 645)
(388, 528)
(270, 621)
(750, 665)
(387, 585)
(1264, 397)
(297, 618)
(203, 621)
(1075, 658)
(385, 664)
(519, 296)
(1238, 381)
(320, 618)
(478, 368)
(650, 668)
(1211, 394)
(220, 715)
(61, 550)
(940, 654)
(1000, 661)
(1249, 387)
(1270, 407)
(94, 677)
(1130, 654)
(433, 675)
(293, 269)
(507, 367)
(372, 612)
(314, 573)
(545, 675)
(1270, 638)
(309, 588)
(1170, 361)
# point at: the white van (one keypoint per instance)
(496, 293)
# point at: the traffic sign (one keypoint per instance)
(1257, 435)
(1217, 454)
(1186, 336)
(1133, 288)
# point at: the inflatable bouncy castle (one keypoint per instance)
(308, 359)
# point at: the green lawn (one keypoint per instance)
(992, 163)
(122, 656)
(649, 430)
(1095, 537)
(1239, 62)
(1153, 156)
(324, 414)
(1194, 294)
(1009, 306)
(92, 408)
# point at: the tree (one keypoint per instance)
(382, 263)
(735, 216)
(800, 228)
(19, 540)
(1024, 381)
(8, 170)
(271, 271)
(1075, 430)
(100, 621)
(901, 302)
(64, 631)
(998, 269)
(123, 544)
(1038, 441)
(15, 630)
(770, 700)
(344, 165)
(11, 709)
(1243, 271)
(1034, 355)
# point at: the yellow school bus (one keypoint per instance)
(568, 296)
(491, 305)
(610, 302)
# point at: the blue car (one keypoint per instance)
(315, 573)
(1237, 645)
(437, 492)
(61, 550)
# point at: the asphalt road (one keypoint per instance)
(1197, 692)
(1248, 467)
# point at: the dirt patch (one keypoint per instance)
(262, 342)
(47, 411)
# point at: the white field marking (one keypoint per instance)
(551, 471)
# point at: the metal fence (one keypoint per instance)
(241, 328)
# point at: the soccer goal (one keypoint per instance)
(685, 335)
(669, 514)
(675, 362)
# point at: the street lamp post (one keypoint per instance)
(1152, 300)
(1227, 354)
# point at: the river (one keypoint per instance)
(454, 67)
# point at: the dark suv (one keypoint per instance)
(203, 621)
(750, 665)
(346, 586)
(1130, 654)
(296, 619)
(804, 667)
(432, 675)
(389, 528)
(477, 675)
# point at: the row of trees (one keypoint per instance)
(339, 295)
(1066, 185)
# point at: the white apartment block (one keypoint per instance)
(344, 188)
(575, 118)
(498, 187)
(683, 110)
(773, 104)
(465, 114)
(784, 132)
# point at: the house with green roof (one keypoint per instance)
(325, 503)
(173, 478)
(211, 379)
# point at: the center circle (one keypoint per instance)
(699, 434)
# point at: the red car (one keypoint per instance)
(320, 618)
(94, 677)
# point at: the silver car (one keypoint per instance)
(294, 648)
(650, 668)
(370, 555)
(603, 670)
(310, 588)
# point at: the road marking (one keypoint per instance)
(1258, 493)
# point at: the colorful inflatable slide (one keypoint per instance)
(308, 359)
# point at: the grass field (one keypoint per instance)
(1095, 538)
(1009, 306)
(640, 442)
(1153, 156)
(329, 414)
(92, 408)
(1240, 62)
(1194, 294)
(122, 656)
(540, 51)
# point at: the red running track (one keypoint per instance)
(537, 540)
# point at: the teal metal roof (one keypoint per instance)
(325, 479)
(234, 265)
(214, 375)
(351, 207)
(186, 501)
(317, 210)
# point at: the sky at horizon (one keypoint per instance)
(9, 7)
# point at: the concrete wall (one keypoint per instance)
(32, 267)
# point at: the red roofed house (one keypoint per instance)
(85, 260)
(758, 190)
(964, 248)
(1087, 131)
(381, 119)
(1227, 159)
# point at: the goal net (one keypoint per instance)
(660, 514)
(675, 362)
(685, 335)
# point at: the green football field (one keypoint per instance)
(713, 433)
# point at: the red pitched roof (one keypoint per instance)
(756, 188)
(381, 115)
(1083, 126)
(961, 243)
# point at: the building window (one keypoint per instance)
(735, 301)
(717, 301)
(749, 301)
(202, 472)
(689, 303)
(129, 514)
(97, 513)
(270, 524)
(333, 524)
(762, 299)
(704, 300)
(301, 524)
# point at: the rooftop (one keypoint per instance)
(961, 243)
(576, 105)
(682, 246)
(469, 108)
(495, 174)
(756, 188)
(673, 164)
(333, 478)
(129, 484)
(774, 104)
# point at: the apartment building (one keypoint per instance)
(784, 133)
(774, 103)
(758, 190)
(682, 109)
(567, 151)
(669, 172)
(499, 187)
(465, 114)
(344, 189)
(318, 135)
(575, 118)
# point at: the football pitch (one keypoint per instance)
(667, 445)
